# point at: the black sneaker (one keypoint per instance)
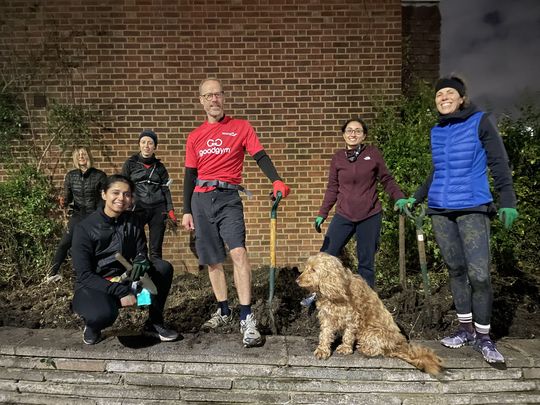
(91, 336)
(160, 331)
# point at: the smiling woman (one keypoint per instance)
(450, 95)
(352, 181)
(103, 285)
(152, 196)
(117, 197)
(82, 187)
(464, 144)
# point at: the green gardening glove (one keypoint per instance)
(404, 202)
(508, 216)
(141, 265)
(318, 222)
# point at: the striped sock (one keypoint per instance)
(465, 322)
(482, 329)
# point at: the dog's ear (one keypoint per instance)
(334, 282)
(334, 292)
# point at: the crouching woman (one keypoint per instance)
(96, 241)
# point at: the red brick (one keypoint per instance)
(296, 69)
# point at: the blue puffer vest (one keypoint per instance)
(460, 166)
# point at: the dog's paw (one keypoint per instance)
(322, 353)
(344, 349)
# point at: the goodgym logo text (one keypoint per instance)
(214, 148)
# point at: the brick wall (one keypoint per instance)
(296, 69)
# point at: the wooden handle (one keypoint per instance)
(118, 256)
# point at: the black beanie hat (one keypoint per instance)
(453, 82)
(149, 133)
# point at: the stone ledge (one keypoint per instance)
(54, 367)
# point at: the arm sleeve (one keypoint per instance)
(330, 195)
(497, 161)
(422, 192)
(265, 164)
(190, 175)
(84, 265)
(68, 194)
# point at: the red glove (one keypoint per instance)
(172, 216)
(280, 186)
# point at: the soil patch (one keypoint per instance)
(515, 311)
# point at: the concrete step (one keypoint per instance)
(54, 366)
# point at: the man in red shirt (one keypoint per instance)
(213, 207)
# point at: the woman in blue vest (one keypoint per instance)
(464, 144)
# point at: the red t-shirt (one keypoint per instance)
(217, 150)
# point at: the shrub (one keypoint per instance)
(27, 229)
(518, 248)
(402, 132)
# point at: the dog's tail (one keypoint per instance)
(420, 357)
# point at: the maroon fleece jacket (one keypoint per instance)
(352, 187)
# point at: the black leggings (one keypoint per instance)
(155, 218)
(464, 244)
(367, 232)
(99, 310)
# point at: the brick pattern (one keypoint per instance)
(296, 69)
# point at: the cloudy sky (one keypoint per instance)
(495, 46)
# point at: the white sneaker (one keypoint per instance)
(252, 337)
(217, 320)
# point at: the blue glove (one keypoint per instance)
(318, 222)
(508, 216)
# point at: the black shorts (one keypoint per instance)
(218, 216)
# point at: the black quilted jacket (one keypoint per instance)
(84, 190)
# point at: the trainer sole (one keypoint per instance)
(158, 336)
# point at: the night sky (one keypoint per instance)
(495, 46)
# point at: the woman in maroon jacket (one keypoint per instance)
(352, 188)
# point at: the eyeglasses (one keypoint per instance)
(210, 96)
(357, 131)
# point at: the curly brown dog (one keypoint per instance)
(348, 305)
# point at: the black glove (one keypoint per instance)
(141, 265)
